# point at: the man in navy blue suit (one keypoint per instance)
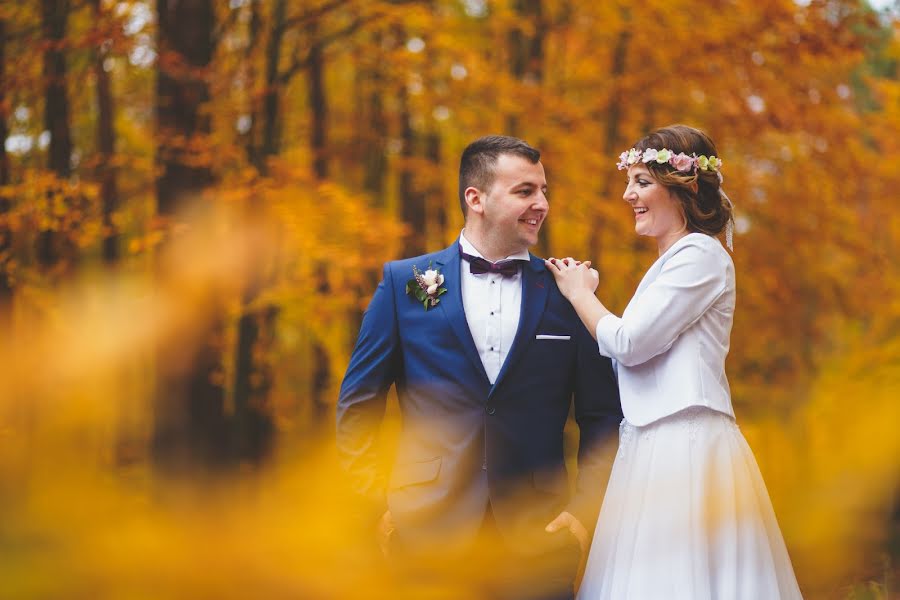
(487, 358)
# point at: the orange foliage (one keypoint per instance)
(802, 98)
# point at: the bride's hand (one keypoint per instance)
(573, 277)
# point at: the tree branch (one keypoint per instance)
(298, 63)
(311, 15)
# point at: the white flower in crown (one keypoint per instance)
(626, 159)
(426, 287)
(650, 155)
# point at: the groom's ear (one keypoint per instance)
(474, 199)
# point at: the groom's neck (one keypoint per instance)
(489, 246)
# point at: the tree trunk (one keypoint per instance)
(271, 144)
(186, 46)
(321, 377)
(106, 145)
(253, 377)
(526, 52)
(6, 289)
(412, 202)
(190, 423)
(54, 19)
(317, 103)
(373, 130)
(251, 136)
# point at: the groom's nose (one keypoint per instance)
(541, 202)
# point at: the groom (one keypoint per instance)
(487, 356)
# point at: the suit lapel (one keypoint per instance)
(451, 305)
(535, 288)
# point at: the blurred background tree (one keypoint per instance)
(196, 199)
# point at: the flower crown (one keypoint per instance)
(681, 161)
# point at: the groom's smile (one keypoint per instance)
(516, 205)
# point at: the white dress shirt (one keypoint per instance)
(492, 304)
(670, 343)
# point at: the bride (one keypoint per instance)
(686, 513)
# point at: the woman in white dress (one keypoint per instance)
(686, 513)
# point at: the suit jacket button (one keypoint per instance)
(491, 410)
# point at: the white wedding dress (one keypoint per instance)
(687, 516)
(686, 513)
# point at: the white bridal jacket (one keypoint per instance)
(670, 343)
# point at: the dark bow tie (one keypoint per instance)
(478, 265)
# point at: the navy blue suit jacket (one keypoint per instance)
(464, 442)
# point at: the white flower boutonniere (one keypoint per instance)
(426, 287)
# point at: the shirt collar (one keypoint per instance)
(469, 248)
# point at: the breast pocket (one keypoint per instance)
(553, 354)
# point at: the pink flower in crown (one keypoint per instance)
(650, 155)
(683, 162)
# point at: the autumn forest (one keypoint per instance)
(197, 197)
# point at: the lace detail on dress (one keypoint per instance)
(626, 432)
(690, 421)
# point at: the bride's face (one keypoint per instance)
(657, 212)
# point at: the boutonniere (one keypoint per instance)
(426, 287)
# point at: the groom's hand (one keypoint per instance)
(384, 532)
(567, 520)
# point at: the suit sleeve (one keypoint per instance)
(689, 283)
(598, 412)
(361, 404)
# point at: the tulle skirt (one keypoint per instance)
(687, 515)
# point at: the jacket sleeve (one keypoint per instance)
(690, 281)
(598, 412)
(361, 404)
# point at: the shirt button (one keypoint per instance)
(491, 410)
(492, 348)
(492, 313)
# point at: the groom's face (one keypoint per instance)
(516, 205)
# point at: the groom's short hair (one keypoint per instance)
(476, 167)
